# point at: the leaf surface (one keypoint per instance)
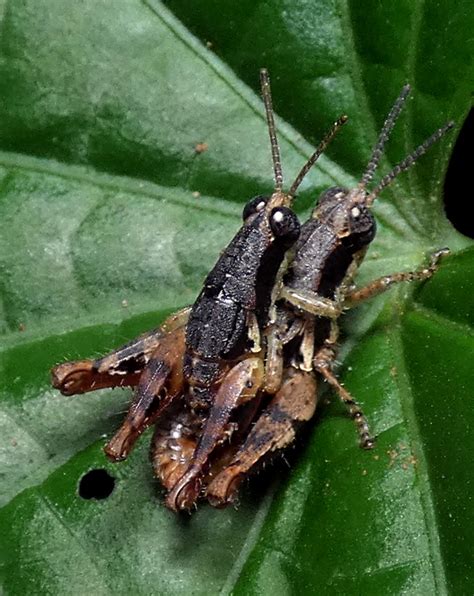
(109, 220)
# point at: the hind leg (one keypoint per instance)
(240, 385)
(160, 383)
(120, 368)
(276, 427)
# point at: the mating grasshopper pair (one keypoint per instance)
(227, 381)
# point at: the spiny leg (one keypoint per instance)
(292, 405)
(322, 363)
(387, 281)
(224, 454)
(120, 368)
(160, 383)
(241, 384)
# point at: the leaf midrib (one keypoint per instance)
(422, 487)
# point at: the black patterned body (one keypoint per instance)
(236, 290)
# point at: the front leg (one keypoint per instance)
(387, 281)
(253, 332)
(241, 384)
(312, 303)
(120, 368)
(283, 328)
(292, 405)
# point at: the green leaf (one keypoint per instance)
(109, 220)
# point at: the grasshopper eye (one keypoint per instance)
(254, 206)
(361, 218)
(284, 222)
(355, 213)
(362, 228)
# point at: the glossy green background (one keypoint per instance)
(101, 106)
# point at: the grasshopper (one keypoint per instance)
(207, 356)
(309, 297)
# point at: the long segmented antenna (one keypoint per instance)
(328, 137)
(267, 100)
(383, 137)
(408, 161)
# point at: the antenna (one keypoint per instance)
(320, 149)
(267, 100)
(383, 137)
(406, 163)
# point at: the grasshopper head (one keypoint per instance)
(348, 217)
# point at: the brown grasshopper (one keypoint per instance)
(207, 357)
(310, 296)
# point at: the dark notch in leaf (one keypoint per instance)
(457, 197)
(96, 484)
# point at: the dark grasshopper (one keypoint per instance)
(206, 355)
(311, 295)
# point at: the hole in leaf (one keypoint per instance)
(457, 193)
(96, 484)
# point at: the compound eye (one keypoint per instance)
(284, 222)
(254, 206)
(362, 227)
(360, 216)
(355, 213)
